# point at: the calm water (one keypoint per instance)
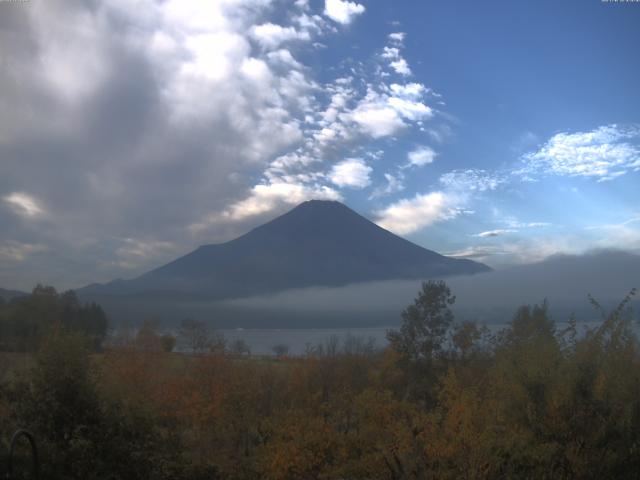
(298, 340)
(261, 342)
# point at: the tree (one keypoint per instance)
(60, 404)
(240, 347)
(425, 323)
(147, 339)
(467, 337)
(531, 323)
(280, 350)
(89, 319)
(167, 342)
(196, 335)
(218, 343)
(29, 319)
(420, 339)
(123, 336)
(83, 430)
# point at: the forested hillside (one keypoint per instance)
(25, 320)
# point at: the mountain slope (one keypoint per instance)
(318, 243)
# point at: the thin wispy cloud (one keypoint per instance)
(17, 252)
(605, 153)
(394, 184)
(495, 233)
(519, 251)
(472, 180)
(397, 37)
(24, 204)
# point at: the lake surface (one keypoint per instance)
(262, 341)
(299, 340)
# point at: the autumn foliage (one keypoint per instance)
(444, 401)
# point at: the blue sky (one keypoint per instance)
(512, 75)
(502, 131)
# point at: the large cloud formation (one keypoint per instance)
(130, 134)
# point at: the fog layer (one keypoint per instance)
(564, 280)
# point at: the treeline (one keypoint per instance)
(443, 401)
(26, 320)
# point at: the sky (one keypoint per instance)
(131, 132)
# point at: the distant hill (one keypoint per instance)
(9, 294)
(318, 243)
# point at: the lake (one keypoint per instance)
(262, 341)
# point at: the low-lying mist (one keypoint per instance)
(564, 280)
(491, 298)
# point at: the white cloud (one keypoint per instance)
(604, 153)
(24, 204)
(268, 197)
(395, 183)
(624, 235)
(517, 224)
(397, 37)
(410, 109)
(408, 90)
(396, 61)
(137, 248)
(17, 252)
(390, 52)
(135, 253)
(71, 70)
(626, 223)
(472, 180)
(401, 66)
(377, 118)
(173, 93)
(478, 252)
(270, 35)
(352, 172)
(460, 188)
(495, 233)
(284, 57)
(523, 251)
(421, 156)
(342, 11)
(381, 114)
(383, 111)
(410, 215)
(311, 24)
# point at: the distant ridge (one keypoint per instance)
(318, 243)
(9, 294)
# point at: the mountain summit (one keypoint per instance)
(318, 243)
